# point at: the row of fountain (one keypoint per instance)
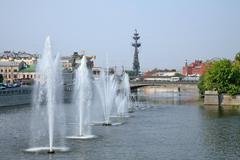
(94, 102)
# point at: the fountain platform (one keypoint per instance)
(85, 137)
(113, 124)
(46, 150)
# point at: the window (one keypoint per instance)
(15, 70)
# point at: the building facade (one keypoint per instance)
(21, 66)
(196, 68)
(18, 57)
(69, 63)
(17, 66)
(9, 70)
(161, 75)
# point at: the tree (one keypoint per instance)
(178, 75)
(130, 73)
(217, 76)
(222, 76)
(234, 79)
(237, 57)
(1, 78)
(201, 86)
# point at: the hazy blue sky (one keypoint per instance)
(171, 30)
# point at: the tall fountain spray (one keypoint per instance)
(47, 98)
(107, 88)
(82, 99)
(122, 100)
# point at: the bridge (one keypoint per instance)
(138, 84)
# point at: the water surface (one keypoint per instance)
(162, 128)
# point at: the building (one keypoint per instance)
(161, 75)
(10, 69)
(196, 68)
(17, 66)
(165, 72)
(66, 63)
(27, 74)
(10, 56)
(21, 66)
(69, 63)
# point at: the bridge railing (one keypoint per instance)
(162, 82)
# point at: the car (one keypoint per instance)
(16, 85)
(2, 87)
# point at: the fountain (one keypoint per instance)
(83, 93)
(107, 88)
(122, 99)
(114, 91)
(47, 101)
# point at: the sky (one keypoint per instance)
(171, 31)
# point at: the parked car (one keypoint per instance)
(2, 86)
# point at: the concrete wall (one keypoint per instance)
(211, 98)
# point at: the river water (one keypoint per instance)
(166, 125)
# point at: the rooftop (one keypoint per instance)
(30, 68)
(8, 54)
(8, 64)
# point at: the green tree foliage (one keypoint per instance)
(234, 79)
(130, 73)
(178, 75)
(201, 86)
(1, 78)
(217, 76)
(237, 57)
(222, 76)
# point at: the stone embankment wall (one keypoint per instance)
(211, 98)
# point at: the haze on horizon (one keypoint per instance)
(171, 30)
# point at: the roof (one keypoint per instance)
(7, 54)
(66, 58)
(159, 76)
(30, 68)
(9, 64)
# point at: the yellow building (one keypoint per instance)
(9, 70)
(8, 56)
(17, 66)
(21, 66)
(27, 73)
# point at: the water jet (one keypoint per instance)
(47, 102)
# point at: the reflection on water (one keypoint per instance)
(213, 111)
(221, 131)
(206, 132)
(167, 95)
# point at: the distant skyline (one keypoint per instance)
(171, 30)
